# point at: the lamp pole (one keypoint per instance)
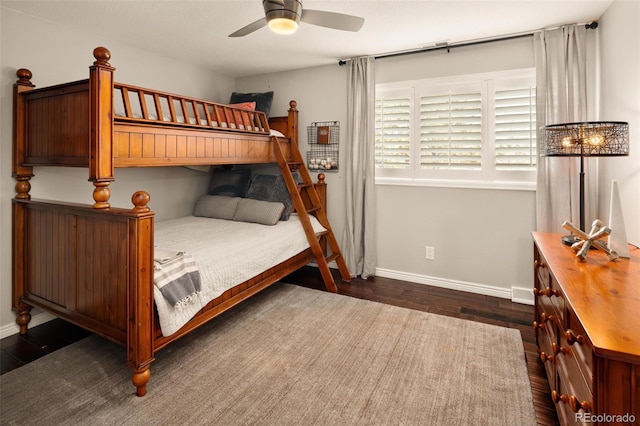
(582, 214)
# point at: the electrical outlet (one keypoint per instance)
(430, 253)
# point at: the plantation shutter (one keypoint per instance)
(515, 129)
(468, 131)
(393, 133)
(451, 131)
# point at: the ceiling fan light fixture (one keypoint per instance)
(283, 26)
(282, 15)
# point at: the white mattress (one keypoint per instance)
(227, 253)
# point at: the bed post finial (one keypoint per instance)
(321, 177)
(102, 56)
(24, 77)
(293, 105)
(140, 199)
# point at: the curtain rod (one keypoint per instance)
(441, 46)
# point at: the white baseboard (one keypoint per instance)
(37, 319)
(514, 294)
(522, 295)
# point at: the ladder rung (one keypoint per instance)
(321, 233)
(312, 209)
(294, 163)
(332, 257)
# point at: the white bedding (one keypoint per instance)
(227, 253)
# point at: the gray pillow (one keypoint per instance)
(271, 188)
(257, 211)
(229, 182)
(216, 206)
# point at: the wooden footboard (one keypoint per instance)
(92, 267)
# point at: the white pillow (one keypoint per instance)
(274, 132)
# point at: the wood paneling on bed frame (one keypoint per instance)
(144, 146)
(56, 119)
(78, 262)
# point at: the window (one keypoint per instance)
(457, 131)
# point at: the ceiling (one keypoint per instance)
(196, 31)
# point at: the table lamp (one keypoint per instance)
(586, 139)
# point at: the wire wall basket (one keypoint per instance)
(324, 132)
(324, 159)
(324, 139)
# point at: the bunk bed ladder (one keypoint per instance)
(306, 201)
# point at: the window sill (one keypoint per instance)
(469, 184)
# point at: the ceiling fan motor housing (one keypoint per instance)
(283, 9)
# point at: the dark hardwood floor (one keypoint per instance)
(18, 350)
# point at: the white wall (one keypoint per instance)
(620, 50)
(481, 237)
(56, 54)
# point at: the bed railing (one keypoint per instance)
(138, 104)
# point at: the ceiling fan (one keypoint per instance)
(283, 16)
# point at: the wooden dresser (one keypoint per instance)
(587, 323)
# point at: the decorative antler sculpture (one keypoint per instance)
(598, 230)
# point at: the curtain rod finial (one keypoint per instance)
(592, 26)
(342, 62)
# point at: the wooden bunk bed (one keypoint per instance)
(93, 265)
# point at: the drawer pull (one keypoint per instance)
(544, 357)
(559, 349)
(572, 400)
(544, 317)
(537, 325)
(548, 292)
(572, 338)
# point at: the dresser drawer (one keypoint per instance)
(546, 339)
(575, 339)
(547, 290)
(571, 395)
(542, 271)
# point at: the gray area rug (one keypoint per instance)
(290, 356)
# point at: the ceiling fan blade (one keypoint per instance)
(337, 21)
(254, 26)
